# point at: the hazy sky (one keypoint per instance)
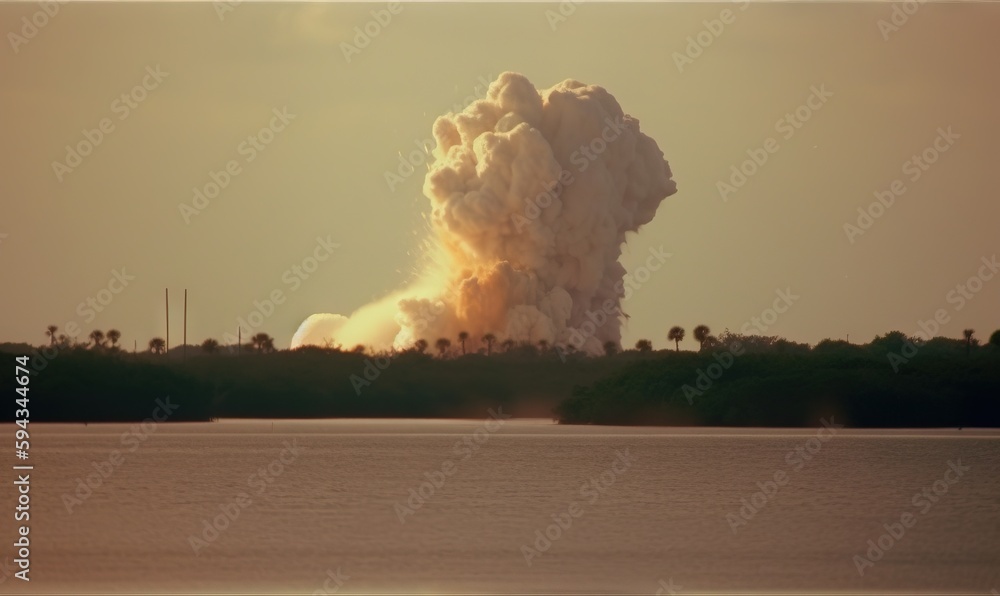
(323, 174)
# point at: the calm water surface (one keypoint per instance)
(658, 514)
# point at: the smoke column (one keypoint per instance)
(532, 193)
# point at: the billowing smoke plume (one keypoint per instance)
(532, 194)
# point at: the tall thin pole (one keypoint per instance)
(166, 295)
(185, 351)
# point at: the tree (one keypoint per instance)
(97, 336)
(701, 333)
(210, 346)
(421, 345)
(157, 345)
(262, 342)
(50, 331)
(489, 338)
(508, 345)
(675, 335)
(610, 348)
(462, 336)
(359, 349)
(995, 339)
(968, 333)
(644, 345)
(113, 336)
(442, 345)
(543, 345)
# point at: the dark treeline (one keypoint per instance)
(733, 380)
(81, 384)
(939, 386)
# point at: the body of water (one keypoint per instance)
(431, 506)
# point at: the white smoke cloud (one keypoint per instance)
(532, 193)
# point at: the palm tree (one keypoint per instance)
(157, 345)
(701, 333)
(508, 345)
(644, 345)
(210, 346)
(489, 338)
(675, 335)
(97, 336)
(442, 345)
(262, 342)
(462, 336)
(421, 345)
(610, 348)
(968, 333)
(113, 336)
(50, 331)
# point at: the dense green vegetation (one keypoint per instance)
(81, 385)
(733, 380)
(893, 382)
(84, 384)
